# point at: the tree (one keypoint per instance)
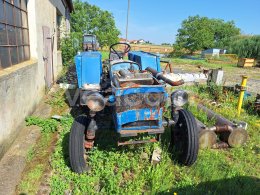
(92, 19)
(197, 33)
(166, 44)
(246, 46)
(224, 32)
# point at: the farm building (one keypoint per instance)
(134, 41)
(122, 40)
(141, 41)
(30, 59)
(212, 52)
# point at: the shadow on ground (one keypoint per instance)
(236, 185)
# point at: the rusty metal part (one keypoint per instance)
(126, 73)
(134, 77)
(220, 145)
(148, 122)
(220, 120)
(90, 134)
(136, 83)
(91, 130)
(129, 84)
(257, 104)
(159, 76)
(89, 144)
(229, 132)
(223, 128)
(168, 65)
(136, 142)
(139, 101)
(216, 129)
(235, 138)
(207, 139)
(126, 133)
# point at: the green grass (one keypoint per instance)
(204, 63)
(38, 155)
(123, 170)
(114, 170)
(30, 154)
(37, 158)
(29, 184)
(128, 170)
(105, 55)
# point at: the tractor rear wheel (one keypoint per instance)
(184, 138)
(77, 149)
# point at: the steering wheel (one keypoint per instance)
(119, 54)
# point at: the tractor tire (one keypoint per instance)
(76, 144)
(185, 139)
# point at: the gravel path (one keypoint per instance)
(231, 76)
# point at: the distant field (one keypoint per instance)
(232, 73)
(149, 48)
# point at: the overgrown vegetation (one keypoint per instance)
(125, 170)
(38, 155)
(69, 47)
(90, 19)
(202, 63)
(246, 46)
(93, 20)
(47, 125)
(57, 101)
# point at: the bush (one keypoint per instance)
(70, 45)
(246, 47)
(178, 51)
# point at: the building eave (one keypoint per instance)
(70, 5)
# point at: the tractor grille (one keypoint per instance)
(139, 101)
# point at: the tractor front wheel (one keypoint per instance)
(184, 138)
(77, 149)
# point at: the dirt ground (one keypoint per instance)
(232, 76)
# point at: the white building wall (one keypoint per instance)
(22, 86)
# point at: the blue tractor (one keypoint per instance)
(135, 91)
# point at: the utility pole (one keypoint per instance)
(128, 8)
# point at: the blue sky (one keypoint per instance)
(158, 21)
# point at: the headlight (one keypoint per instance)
(179, 98)
(95, 101)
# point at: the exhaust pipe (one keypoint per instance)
(159, 76)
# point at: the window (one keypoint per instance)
(14, 33)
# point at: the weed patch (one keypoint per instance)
(47, 125)
(128, 170)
